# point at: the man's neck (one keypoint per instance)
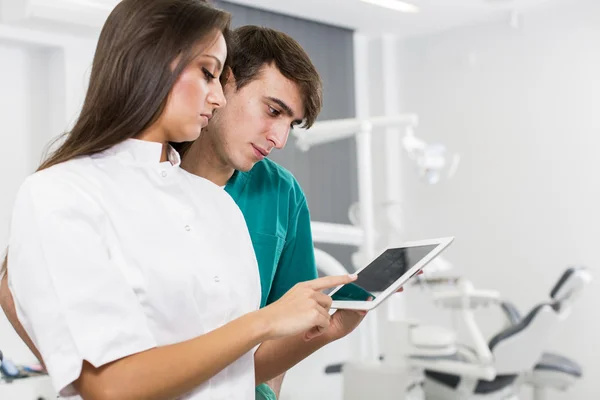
(203, 160)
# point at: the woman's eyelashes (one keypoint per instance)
(209, 76)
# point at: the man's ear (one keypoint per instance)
(227, 78)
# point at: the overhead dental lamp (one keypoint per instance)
(433, 161)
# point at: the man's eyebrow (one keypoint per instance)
(287, 109)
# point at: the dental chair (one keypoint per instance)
(491, 370)
(514, 356)
(554, 371)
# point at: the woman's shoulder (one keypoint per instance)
(61, 182)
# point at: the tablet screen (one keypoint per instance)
(382, 272)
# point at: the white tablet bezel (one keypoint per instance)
(441, 244)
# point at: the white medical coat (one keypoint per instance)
(117, 253)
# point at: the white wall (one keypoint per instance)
(23, 80)
(42, 83)
(521, 107)
(24, 112)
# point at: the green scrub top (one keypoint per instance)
(278, 219)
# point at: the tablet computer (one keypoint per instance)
(386, 274)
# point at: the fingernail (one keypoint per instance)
(353, 276)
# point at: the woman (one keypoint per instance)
(134, 278)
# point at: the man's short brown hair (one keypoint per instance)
(255, 47)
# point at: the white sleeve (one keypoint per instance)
(73, 301)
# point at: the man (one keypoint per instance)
(274, 86)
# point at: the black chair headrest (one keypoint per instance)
(563, 279)
(514, 329)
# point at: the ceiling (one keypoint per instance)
(434, 15)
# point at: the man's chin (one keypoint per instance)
(245, 166)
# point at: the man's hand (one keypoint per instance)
(343, 322)
(276, 356)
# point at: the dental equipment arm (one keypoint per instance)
(465, 299)
(330, 131)
(473, 299)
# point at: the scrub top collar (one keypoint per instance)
(235, 185)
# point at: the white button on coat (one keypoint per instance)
(100, 268)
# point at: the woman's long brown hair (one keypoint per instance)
(132, 72)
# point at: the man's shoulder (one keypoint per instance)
(270, 175)
(269, 168)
